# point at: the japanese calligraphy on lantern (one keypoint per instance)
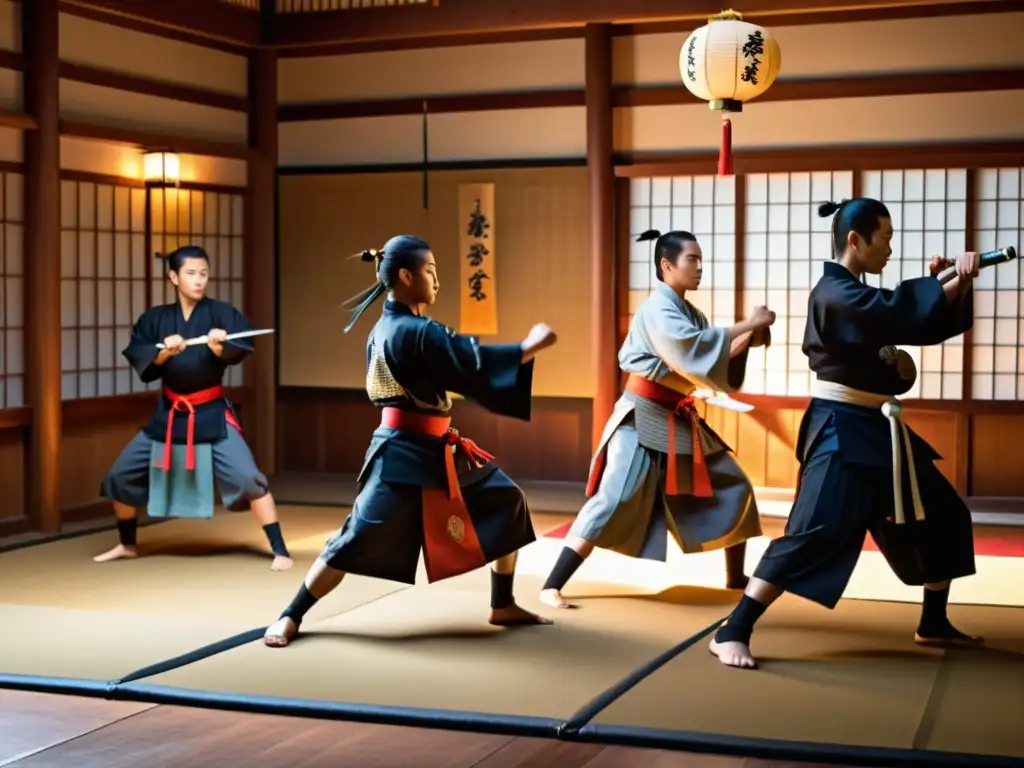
(752, 51)
(478, 307)
(691, 59)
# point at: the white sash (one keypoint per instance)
(893, 411)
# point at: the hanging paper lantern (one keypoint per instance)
(728, 62)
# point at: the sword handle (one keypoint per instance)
(188, 342)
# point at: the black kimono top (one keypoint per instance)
(412, 363)
(194, 370)
(849, 324)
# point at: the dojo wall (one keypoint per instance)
(119, 89)
(520, 101)
(478, 136)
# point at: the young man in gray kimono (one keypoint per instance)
(659, 470)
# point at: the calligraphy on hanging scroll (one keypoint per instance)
(478, 306)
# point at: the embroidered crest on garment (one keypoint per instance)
(456, 529)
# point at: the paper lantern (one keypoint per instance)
(727, 62)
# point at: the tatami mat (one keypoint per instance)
(997, 581)
(97, 645)
(197, 582)
(850, 677)
(187, 568)
(976, 706)
(433, 648)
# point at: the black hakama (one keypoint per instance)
(846, 485)
(406, 502)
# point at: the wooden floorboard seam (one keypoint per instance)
(36, 753)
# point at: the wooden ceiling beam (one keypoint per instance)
(466, 17)
(215, 20)
(469, 22)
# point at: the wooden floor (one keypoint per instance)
(38, 729)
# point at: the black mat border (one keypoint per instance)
(419, 717)
(511, 725)
(575, 729)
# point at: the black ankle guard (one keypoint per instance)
(501, 589)
(933, 612)
(740, 625)
(127, 532)
(300, 605)
(276, 539)
(568, 562)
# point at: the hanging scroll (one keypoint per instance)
(478, 307)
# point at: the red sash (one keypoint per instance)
(678, 405)
(189, 403)
(450, 543)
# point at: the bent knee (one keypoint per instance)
(248, 487)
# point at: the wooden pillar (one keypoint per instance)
(600, 172)
(260, 248)
(41, 89)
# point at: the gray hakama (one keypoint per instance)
(672, 346)
(193, 437)
(130, 479)
(152, 470)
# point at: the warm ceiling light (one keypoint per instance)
(161, 167)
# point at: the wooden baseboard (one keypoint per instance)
(90, 510)
(13, 526)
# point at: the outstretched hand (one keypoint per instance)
(541, 336)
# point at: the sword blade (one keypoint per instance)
(240, 335)
(727, 403)
(722, 400)
(245, 334)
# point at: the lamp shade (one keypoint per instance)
(728, 62)
(161, 167)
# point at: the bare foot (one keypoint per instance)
(117, 553)
(733, 654)
(514, 616)
(281, 563)
(280, 633)
(950, 637)
(553, 598)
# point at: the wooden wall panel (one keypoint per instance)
(94, 448)
(327, 430)
(996, 451)
(12, 472)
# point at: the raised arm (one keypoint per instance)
(917, 312)
(498, 376)
(713, 357)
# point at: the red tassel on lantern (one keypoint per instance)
(725, 154)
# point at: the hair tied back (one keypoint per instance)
(369, 255)
(650, 234)
(830, 207)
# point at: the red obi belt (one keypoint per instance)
(450, 543)
(677, 405)
(189, 403)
